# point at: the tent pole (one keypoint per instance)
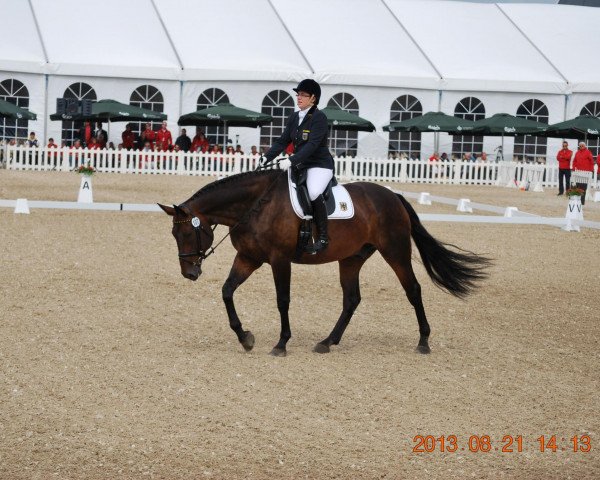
(224, 136)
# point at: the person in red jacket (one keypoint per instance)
(148, 135)
(200, 143)
(564, 167)
(164, 136)
(128, 137)
(583, 161)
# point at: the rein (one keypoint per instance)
(198, 228)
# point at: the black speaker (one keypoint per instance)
(86, 108)
(61, 106)
(72, 106)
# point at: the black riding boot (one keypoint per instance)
(320, 219)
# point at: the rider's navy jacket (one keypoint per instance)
(310, 141)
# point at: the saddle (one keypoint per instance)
(298, 177)
(337, 200)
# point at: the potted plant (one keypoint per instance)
(87, 170)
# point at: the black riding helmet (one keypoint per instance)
(308, 85)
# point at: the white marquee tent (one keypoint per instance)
(374, 51)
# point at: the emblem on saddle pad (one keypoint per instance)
(343, 206)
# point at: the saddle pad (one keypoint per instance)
(344, 208)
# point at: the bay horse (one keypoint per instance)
(264, 229)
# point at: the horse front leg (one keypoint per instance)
(241, 269)
(282, 272)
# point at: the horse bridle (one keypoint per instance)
(200, 253)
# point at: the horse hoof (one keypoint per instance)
(321, 348)
(278, 352)
(424, 349)
(248, 342)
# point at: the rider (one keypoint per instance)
(307, 129)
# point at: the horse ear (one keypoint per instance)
(178, 210)
(167, 210)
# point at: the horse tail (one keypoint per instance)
(457, 271)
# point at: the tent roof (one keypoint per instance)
(357, 42)
(20, 46)
(111, 38)
(475, 46)
(429, 44)
(568, 36)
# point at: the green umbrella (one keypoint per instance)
(580, 127)
(339, 119)
(432, 122)
(9, 110)
(113, 111)
(225, 114)
(502, 124)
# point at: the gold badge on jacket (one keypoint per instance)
(343, 206)
(305, 134)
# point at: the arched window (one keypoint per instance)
(280, 105)
(15, 92)
(344, 142)
(150, 98)
(469, 108)
(211, 97)
(528, 147)
(79, 91)
(592, 108)
(405, 108)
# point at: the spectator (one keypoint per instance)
(434, 158)
(32, 141)
(200, 143)
(414, 156)
(51, 143)
(183, 142)
(564, 167)
(483, 157)
(85, 133)
(583, 161)
(229, 150)
(253, 151)
(93, 144)
(101, 135)
(111, 146)
(164, 136)
(238, 149)
(148, 135)
(128, 137)
(444, 157)
(53, 157)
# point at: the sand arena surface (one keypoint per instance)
(115, 366)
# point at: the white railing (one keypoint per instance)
(458, 172)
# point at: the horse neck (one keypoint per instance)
(226, 203)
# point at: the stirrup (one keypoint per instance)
(318, 246)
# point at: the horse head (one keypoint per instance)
(194, 237)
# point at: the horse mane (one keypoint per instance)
(232, 179)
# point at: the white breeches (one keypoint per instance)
(317, 180)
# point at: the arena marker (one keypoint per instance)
(424, 198)
(22, 206)
(510, 211)
(574, 214)
(596, 197)
(85, 190)
(464, 205)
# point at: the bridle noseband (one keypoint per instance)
(198, 228)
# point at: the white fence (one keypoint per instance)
(506, 174)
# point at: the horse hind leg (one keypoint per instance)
(401, 264)
(349, 273)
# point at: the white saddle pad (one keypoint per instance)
(344, 208)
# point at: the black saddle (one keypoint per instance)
(299, 178)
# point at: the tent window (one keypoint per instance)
(210, 98)
(469, 108)
(280, 105)
(15, 92)
(80, 91)
(527, 147)
(592, 108)
(405, 143)
(344, 142)
(150, 98)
